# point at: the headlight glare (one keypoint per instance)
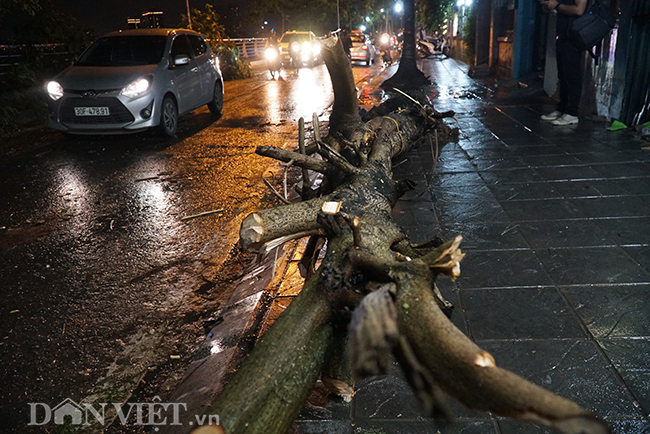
(137, 87)
(306, 47)
(54, 90)
(271, 53)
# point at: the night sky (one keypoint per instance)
(107, 15)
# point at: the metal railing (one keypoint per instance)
(11, 55)
(250, 48)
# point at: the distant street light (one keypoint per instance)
(399, 7)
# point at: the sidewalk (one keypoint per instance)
(556, 281)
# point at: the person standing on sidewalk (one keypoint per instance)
(569, 61)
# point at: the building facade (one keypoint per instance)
(515, 38)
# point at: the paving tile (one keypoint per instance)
(541, 209)
(389, 397)
(453, 164)
(581, 266)
(626, 230)
(571, 368)
(488, 235)
(617, 426)
(501, 269)
(629, 426)
(509, 313)
(536, 150)
(615, 206)
(560, 160)
(641, 254)
(564, 233)
(424, 427)
(621, 170)
(639, 185)
(630, 358)
(484, 163)
(385, 397)
(457, 208)
(586, 188)
(568, 173)
(525, 191)
(322, 427)
(511, 175)
(450, 180)
(612, 310)
(609, 156)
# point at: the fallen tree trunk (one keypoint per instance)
(371, 268)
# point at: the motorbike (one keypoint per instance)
(384, 50)
(425, 48)
(273, 61)
(432, 46)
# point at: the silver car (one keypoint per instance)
(131, 80)
(362, 48)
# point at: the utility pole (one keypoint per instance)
(338, 16)
(189, 19)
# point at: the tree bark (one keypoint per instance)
(408, 76)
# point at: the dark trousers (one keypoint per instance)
(569, 73)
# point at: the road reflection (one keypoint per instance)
(311, 93)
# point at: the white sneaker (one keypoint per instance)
(552, 115)
(565, 119)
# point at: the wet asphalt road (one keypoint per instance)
(104, 285)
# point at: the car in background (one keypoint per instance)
(361, 49)
(131, 80)
(299, 48)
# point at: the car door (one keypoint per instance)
(207, 74)
(186, 77)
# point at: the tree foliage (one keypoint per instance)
(207, 22)
(28, 6)
(318, 16)
(431, 14)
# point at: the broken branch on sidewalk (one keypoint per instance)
(374, 281)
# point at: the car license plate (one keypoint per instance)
(91, 111)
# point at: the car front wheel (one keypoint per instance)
(168, 117)
(216, 105)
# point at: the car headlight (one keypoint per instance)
(137, 87)
(54, 90)
(295, 46)
(271, 53)
(316, 49)
(306, 47)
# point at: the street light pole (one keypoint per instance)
(189, 20)
(338, 16)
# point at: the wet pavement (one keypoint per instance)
(556, 281)
(107, 288)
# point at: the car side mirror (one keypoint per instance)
(181, 60)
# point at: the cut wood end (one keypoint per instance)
(331, 208)
(340, 388)
(252, 229)
(484, 360)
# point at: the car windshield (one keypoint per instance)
(123, 51)
(288, 38)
